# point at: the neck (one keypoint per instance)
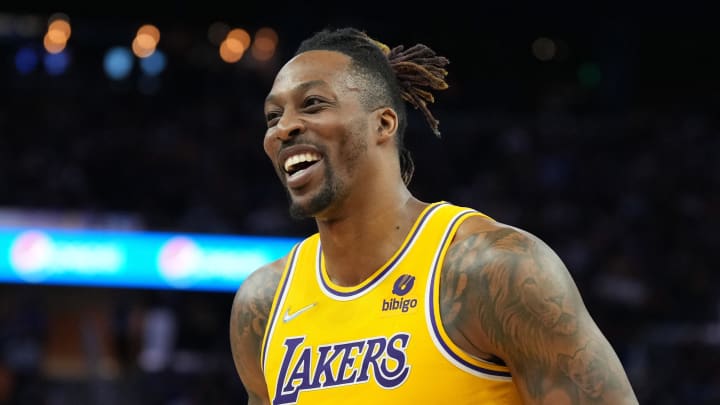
(357, 243)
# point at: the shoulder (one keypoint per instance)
(252, 302)
(490, 250)
(258, 289)
(248, 320)
(483, 235)
(506, 292)
(518, 285)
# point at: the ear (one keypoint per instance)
(386, 124)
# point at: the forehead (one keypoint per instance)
(318, 66)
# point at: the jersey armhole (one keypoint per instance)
(448, 348)
(276, 301)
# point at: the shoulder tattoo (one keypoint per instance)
(512, 288)
(252, 306)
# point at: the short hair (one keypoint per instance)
(398, 75)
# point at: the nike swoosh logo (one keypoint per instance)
(290, 316)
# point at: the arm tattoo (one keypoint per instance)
(252, 316)
(513, 288)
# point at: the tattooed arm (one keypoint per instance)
(506, 294)
(248, 318)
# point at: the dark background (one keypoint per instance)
(608, 152)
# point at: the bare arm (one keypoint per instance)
(248, 319)
(507, 294)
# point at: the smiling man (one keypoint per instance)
(396, 300)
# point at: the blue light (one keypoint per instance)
(153, 64)
(56, 63)
(134, 259)
(118, 62)
(26, 60)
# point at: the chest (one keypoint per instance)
(386, 343)
(396, 302)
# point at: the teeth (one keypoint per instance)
(299, 158)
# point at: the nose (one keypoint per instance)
(289, 126)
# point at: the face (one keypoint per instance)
(317, 130)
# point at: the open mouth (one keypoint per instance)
(299, 162)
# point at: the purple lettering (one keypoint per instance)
(280, 396)
(341, 364)
(346, 372)
(324, 368)
(375, 348)
(391, 378)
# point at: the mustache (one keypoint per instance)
(296, 142)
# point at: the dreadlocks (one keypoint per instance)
(400, 75)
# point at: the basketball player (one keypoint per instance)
(395, 300)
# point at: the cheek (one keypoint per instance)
(269, 146)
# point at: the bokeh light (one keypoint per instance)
(118, 63)
(26, 60)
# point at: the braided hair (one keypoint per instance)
(398, 75)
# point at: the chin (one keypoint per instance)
(308, 207)
(298, 211)
(304, 208)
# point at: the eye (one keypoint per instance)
(312, 103)
(271, 117)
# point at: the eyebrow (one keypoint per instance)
(302, 87)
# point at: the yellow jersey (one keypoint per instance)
(379, 342)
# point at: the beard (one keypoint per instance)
(353, 147)
(329, 193)
(334, 188)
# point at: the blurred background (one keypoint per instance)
(135, 195)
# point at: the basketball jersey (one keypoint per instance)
(379, 342)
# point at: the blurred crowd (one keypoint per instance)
(628, 197)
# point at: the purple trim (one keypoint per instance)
(278, 309)
(434, 322)
(385, 271)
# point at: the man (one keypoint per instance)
(395, 300)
